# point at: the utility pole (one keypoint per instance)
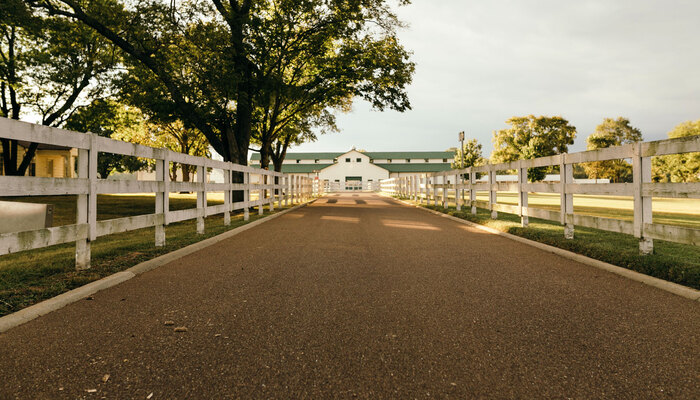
(461, 149)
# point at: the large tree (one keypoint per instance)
(469, 155)
(48, 67)
(207, 62)
(300, 130)
(612, 132)
(174, 136)
(316, 62)
(108, 119)
(531, 137)
(679, 167)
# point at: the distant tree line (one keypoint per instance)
(531, 137)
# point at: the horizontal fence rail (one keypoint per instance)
(463, 185)
(243, 187)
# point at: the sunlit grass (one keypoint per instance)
(674, 262)
(682, 212)
(32, 276)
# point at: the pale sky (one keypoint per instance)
(480, 62)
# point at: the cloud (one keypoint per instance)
(479, 63)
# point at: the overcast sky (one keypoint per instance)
(480, 62)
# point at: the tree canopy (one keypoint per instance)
(531, 137)
(107, 118)
(469, 155)
(49, 66)
(679, 167)
(612, 132)
(237, 67)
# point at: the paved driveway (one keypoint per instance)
(359, 296)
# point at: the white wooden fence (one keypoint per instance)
(349, 186)
(269, 186)
(462, 185)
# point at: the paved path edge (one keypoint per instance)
(679, 290)
(25, 315)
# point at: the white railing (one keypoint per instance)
(463, 185)
(268, 186)
(347, 186)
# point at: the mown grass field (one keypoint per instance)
(673, 262)
(29, 277)
(682, 212)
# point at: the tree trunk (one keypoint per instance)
(10, 149)
(265, 157)
(278, 164)
(279, 154)
(173, 172)
(185, 172)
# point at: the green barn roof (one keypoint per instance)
(371, 154)
(408, 154)
(303, 156)
(310, 168)
(424, 167)
(303, 168)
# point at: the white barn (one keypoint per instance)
(356, 169)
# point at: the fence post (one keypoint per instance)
(458, 197)
(444, 191)
(201, 197)
(161, 171)
(472, 190)
(82, 246)
(246, 196)
(292, 188)
(493, 192)
(166, 188)
(641, 174)
(227, 194)
(261, 192)
(566, 176)
(416, 188)
(522, 195)
(433, 181)
(426, 189)
(419, 188)
(278, 190)
(270, 180)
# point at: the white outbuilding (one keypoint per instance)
(357, 169)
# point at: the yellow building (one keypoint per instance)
(48, 162)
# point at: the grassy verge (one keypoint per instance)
(29, 277)
(114, 206)
(677, 211)
(673, 262)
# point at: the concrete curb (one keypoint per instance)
(679, 290)
(27, 314)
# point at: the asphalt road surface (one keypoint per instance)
(357, 296)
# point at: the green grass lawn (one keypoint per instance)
(673, 262)
(115, 206)
(681, 212)
(29, 277)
